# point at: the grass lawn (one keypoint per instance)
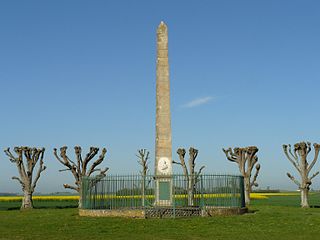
(39, 205)
(273, 218)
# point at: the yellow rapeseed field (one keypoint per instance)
(39, 198)
(280, 194)
(76, 198)
(266, 195)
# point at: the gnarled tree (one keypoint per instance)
(190, 174)
(246, 159)
(299, 160)
(143, 156)
(26, 159)
(80, 168)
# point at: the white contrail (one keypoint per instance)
(197, 102)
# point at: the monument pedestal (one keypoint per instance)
(163, 191)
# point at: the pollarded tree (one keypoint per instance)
(26, 159)
(80, 168)
(299, 160)
(246, 159)
(190, 174)
(143, 156)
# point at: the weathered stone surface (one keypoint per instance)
(164, 212)
(222, 211)
(130, 213)
(163, 152)
(163, 117)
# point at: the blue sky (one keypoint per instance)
(83, 73)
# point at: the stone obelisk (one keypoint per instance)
(163, 152)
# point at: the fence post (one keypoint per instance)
(201, 192)
(83, 201)
(173, 196)
(243, 203)
(143, 190)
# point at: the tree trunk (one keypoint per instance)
(143, 191)
(191, 191)
(27, 200)
(80, 197)
(247, 190)
(304, 197)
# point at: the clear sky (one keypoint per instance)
(83, 73)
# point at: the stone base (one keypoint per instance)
(222, 211)
(164, 212)
(170, 212)
(129, 213)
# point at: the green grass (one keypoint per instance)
(274, 218)
(288, 201)
(15, 205)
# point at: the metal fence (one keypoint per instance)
(137, 192)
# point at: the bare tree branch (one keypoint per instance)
(41, 169)
(294, 156)
(102, 172)
(200, 170)
(68, 163)
(308, 147)
(251, 158)
(90, 155)
(293, 179)
(58, 158)
(66, 159)
(71, 187)
(97, 162)
(314, 175)
(316, 154)
(285, 149)
(193, 153)
(182, 152)
(143, 157)
(19, 180)
(230, 155)
(176, 162)
(78, 150)
(10, 155)
(254, 180)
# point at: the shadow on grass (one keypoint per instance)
(252, 210)
(315, 206)
(40, 207)
(4, 206)
(56, 207)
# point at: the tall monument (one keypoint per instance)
(163, 161)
